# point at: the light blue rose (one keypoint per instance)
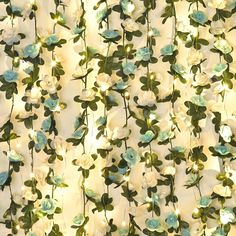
(143, 54)
(51, 39)
(129, 68)
(48, 206)
(168, 50)
(115, 177)
(147, 137)
(179, 69)
(57, 180)
(123, 231)
(155, 32)
(10, 76)
(131, 156)
(122, 171)
(198, 100)
(192, 179)
(79, 133)
(172, 220)
(46, 124)
(3, 177)
(222, 150)
(29, 69)
(154, 225)
(14, 156)
(16, 9)
(90, 193)
(51, 104)
(164, 135)
(204, 202)
(101, 14)
(178, 149)
(121, 85)
(127, 6)
(185, 232)
(110, 34)
(199, 17)
(219, 232)
(79, 219)
(102, 120)
(40, 140)
(78, 30)
(31, 50)
(219, 69)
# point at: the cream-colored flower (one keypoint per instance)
(87, 95)
(194, 57)
(28, 195)
(223, 45)
(221, 190)
(10, 35)
(217, 27)
(150, 179)
(169, 170)
(103, 143)
(219, 4)
(201, 79)
(85, 161)
(33, 95)
(226, 133)
(146, 98)
(60, 145)
(120, 133)
(49, 83)
(105, 81)
(130, 25)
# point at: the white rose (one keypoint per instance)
(60, 145)
(146, 98)
(103, 143)
(226, 216)
(120, 133)
(87, 95)
(221, 190)
(201, 79)
(194, 57)
(105, 81)
(217, 27)
(130, 25)
(33, 95)
(150, 179)
(223, 45)
(28, 195)
(10, 36)
(85, 161)
(49, 84)
(226, 133)
(219, 4)
(139, 9)
(169, 170)
(40, 175)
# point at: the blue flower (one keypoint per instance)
(13, 156)
(178, 149)
(121, 85)
(222, 150)
(147, 137)
(219, 69)
(101, 15)
(178, 68)
(123, 231)
(127, 6)
(51, 39)
(155, 32)
(199, 17)
(198, 100)
(47, 124)
(154, 225)
(79, 133)
(129, 68)
(10, 76)
(57, 180)
(3, 177)
(115, 177)
(78, 30)
(131, 156)
(31, 50)
(143, 54)
(102, 120)
(29, 69)
(90, 193)
(168, 50)
(48, 206)
(185, 232)
(16, 9)
(219, 232)
(51, 104)
(204, 202)
(164, 135)
(40, 140)
(122, 171)
(172, 220)
(110, 34)
(79, 219)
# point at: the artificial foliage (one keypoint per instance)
(131, 134)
